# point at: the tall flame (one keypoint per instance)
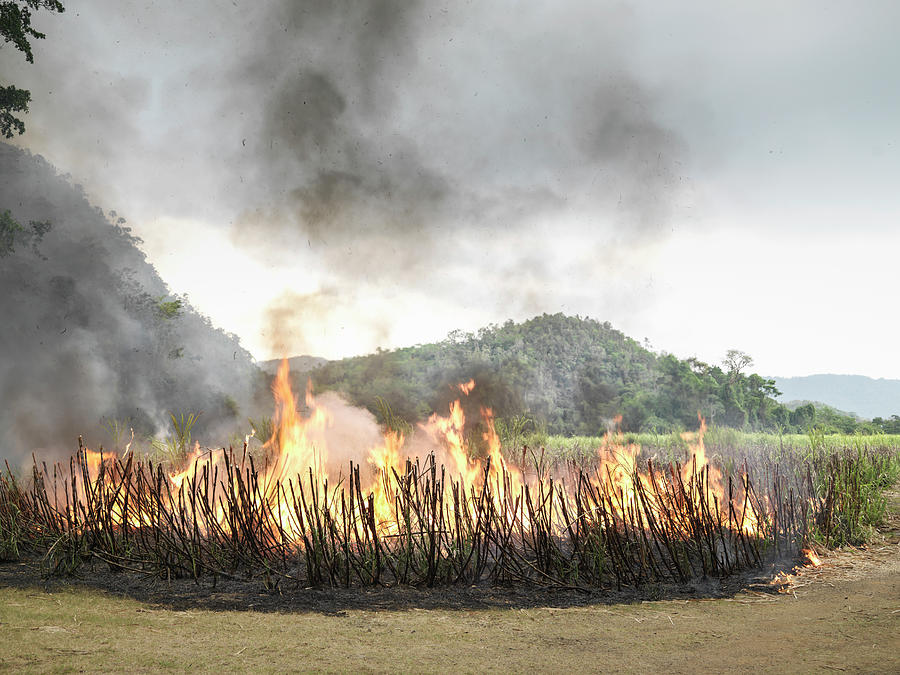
(297, 451)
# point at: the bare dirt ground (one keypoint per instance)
(843, 616)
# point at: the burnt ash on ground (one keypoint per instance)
(235, 594)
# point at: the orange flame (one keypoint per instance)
(293, 449)
(386, 460)
(811, 557)
(297, 448)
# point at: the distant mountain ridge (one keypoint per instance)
(864, 396)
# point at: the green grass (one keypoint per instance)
(722, 441)
(852, 483)
(173, 448)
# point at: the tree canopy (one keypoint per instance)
(16, 28)
(573, 375)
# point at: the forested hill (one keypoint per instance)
(572, 373)
(90, 333)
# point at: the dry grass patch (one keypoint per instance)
(844, 617)
(847, 626)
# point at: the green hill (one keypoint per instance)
(573, 374)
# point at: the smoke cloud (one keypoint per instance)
(91, 335)
(374, 143)
(388, 131)
(349, 436)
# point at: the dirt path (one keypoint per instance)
(843, 616)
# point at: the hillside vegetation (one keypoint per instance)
(572, 376)
(91, 335)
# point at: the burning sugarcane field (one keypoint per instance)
(466, 512)
(351, 379)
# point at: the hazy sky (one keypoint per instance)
(327, 177)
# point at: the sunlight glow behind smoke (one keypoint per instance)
(485, 168)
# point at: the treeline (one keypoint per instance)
(573, 376)
(881, 425)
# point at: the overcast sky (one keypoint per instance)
(329, 177)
